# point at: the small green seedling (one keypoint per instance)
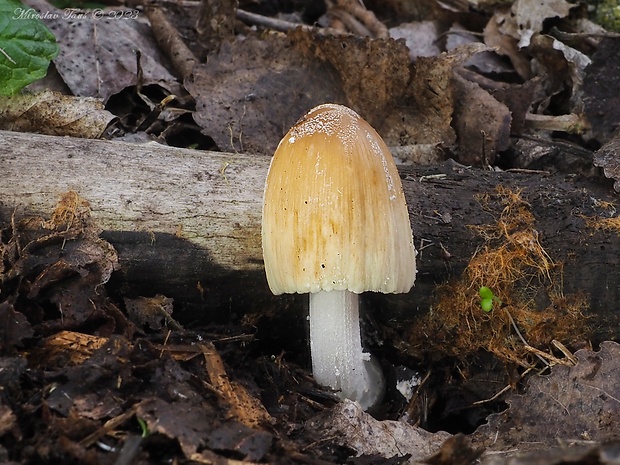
(144, 427)
(488, 298)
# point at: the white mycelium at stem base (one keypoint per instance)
(336, 347)
(335, 224)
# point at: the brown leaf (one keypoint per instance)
(251, 92)
(506, 42)
(563, 68)
(152, 311)
(233, 436)
(527, 16)
(481, 122)
(189, 423)
(455, 451)
(63, 262)
(573, 403)
(373, 73)
(608, 158)
(14, 328)
(52, 113)
(423, 114)
(350, 426)
(518, 98)
(98, 53)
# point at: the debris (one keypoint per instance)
(516, 268)
(574, 404)
(52, 113)
(354, 428)
(481, 122)
(243, 407)
(155, 312)
(98, 52)
(608, 158)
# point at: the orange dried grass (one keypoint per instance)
(515, 266)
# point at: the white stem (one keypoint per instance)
(336, 347)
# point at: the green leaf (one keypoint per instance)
(486, 293)
(26, 47)
(487, 305)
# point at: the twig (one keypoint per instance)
(514, 325)
(170, 41)
(551, 358)
(280, 24)
(108, 426)
(502, 391)
(571, 123)
(567, 353)
(242, 405)
(171, 321)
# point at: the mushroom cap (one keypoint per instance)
(334, 211)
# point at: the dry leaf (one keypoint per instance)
(527, 17)
(505, 43)
(236, 437)
(54, 114)
(373, 73)
(420, 37)
(481, 122)
(188, 422)
(423, 114)
(608, 158)
(151, 311)
(350, 426)
(273, 87)
(14, 327)
(564, 67)
(59, 266)
(98, 53)
(578, 403)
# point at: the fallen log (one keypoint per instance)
(186, 224)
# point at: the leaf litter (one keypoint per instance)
(100, 386)
(413, 101)
(105, 374)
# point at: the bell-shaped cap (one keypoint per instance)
(334, 212)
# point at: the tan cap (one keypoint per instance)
(334, 213)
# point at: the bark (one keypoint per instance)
(186, 224)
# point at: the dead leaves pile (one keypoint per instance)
(488, 74)
(84, 381)
(463, 80)
(58, 266)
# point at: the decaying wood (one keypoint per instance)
(243, 406)
(69, 348)
(209, 200)
(73, 348)
(186, 224)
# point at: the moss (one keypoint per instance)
(531, 311)
(607, 14)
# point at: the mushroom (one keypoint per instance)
(335, 224)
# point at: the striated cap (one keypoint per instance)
(334, 212)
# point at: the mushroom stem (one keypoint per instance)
(338, 360)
